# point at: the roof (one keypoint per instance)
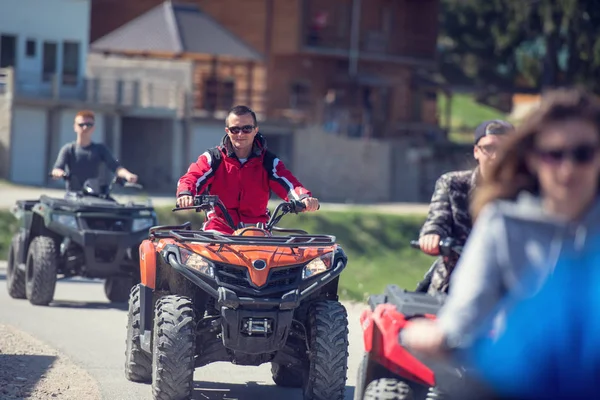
(175, 28)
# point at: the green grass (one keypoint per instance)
(466, 114)
(377, 245)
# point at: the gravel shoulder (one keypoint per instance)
(29, 369)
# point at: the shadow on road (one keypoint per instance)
(19, 374)
(93, 305)
(68, 280)
(249, 391)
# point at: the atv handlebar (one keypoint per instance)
(209, 202)
(447, 246)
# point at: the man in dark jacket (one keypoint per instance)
(242, 172)
(449, 214)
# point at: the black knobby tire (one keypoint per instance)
(173, 348)
(40, 271)
(328, 356)
(138, 363)
(15, 277)
(117, 289)
(361, 378)
(388, 389)
(286, 377)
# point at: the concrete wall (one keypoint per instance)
(49, 20)
(203, 135)
(160, 83)
(341, 169)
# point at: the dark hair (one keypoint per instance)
(239, 111)
(510, 174)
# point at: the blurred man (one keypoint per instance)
(82, 158)
(449, 214)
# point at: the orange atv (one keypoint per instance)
(249, 298)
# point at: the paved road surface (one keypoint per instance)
(9, 194)
(85, 327)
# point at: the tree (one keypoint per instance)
(539, 43)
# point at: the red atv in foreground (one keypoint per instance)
(388, 370)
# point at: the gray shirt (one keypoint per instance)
(83, 163)
(513, 247)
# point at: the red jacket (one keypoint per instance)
(245, 188)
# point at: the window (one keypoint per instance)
(219, 94)
(30, 48)
(70, 70)
(8, 51)
(299, 95)
(49, 61)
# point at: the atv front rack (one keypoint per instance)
(184, 235)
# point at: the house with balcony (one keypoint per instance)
(42, 53)
(355, 67)
(44, 81)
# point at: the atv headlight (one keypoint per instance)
(141, 224)
(197, 262)
(318, 266)
(66, 220)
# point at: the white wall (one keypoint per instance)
(47, 20)
(204, 136)
(176, 72)
(28, 147)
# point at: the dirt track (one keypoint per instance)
(30, 369)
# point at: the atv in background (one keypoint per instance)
(388, 370)
(249, 298)
(87, 233)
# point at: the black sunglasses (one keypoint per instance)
(582, 154)
(84, 124)
(244, 129)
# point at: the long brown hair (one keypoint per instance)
(510, 174)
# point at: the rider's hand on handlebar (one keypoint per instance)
(185, 201)
(131, 178)
(311, 203)
(57, 173)
(430, 244)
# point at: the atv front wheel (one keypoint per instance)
(328, 353)
(138, 363)
(388, 389)
(15, 277)
(117, 289)
(40, 271)
(173, 348)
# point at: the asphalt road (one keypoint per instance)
(9, 194)
(81, 324)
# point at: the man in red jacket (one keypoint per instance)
(242, 172)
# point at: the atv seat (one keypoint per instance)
(411, 304)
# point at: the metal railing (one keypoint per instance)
(155, 94)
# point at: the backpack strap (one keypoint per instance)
(216, 161)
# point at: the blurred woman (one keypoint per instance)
(539, 201)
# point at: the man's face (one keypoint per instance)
(84, 126)
(241, 130)
(485, 151)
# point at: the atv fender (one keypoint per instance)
(148, 264)
(381, 329)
